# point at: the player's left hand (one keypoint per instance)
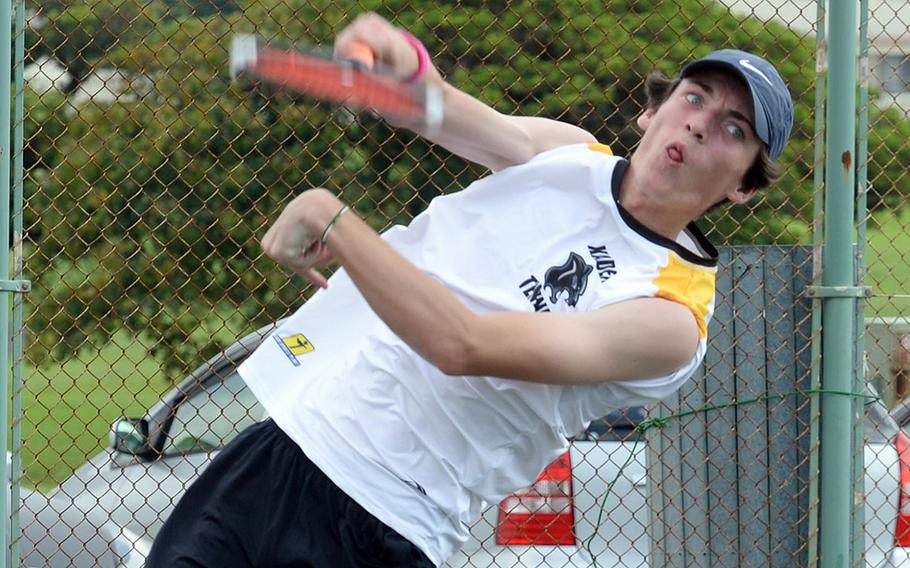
(294, 240)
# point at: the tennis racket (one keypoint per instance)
(357, 83)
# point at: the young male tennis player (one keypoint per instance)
(447, 362)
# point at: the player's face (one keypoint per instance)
(699, 144)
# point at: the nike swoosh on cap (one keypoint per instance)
(748, 65)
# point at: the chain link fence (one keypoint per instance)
(149, 178)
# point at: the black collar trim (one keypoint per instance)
(710, 253)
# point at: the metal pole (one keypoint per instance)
(840, 292)
(821, 74)
(6, 28)
(859, 380)
(18, 268)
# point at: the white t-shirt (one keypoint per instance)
(426, 452)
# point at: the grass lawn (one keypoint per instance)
(888, 264)
(69, 407)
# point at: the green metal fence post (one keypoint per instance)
(18, 268)
(838, 309)
(6, 27)
(862, 162)
(821, 74)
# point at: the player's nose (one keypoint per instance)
(698, 124)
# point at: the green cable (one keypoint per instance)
(662, 421)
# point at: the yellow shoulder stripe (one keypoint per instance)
(690, 285)
(601, 148)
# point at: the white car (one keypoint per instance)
(55, 534)
(559, 521)
(900, 556)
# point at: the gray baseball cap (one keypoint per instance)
(770, 97)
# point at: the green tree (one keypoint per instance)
(44, 125)
(889, 184)
(78, 35)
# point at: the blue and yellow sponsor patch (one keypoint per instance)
(293, 346)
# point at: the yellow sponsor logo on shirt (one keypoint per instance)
(297, 344)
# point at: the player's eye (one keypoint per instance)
(693, 98)
(736, 131)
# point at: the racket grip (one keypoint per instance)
(361, 53)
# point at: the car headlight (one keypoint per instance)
(132, 549)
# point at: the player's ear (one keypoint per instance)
(741, 194)
(644, 119)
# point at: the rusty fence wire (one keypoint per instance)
(149, 178)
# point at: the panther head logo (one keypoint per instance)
(570, 277)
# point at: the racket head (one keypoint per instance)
(359, 84)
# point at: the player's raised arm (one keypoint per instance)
(470, 128)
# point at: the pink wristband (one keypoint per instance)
(423, 58)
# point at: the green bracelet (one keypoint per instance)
(328, 228)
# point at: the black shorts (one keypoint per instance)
(262, 503)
